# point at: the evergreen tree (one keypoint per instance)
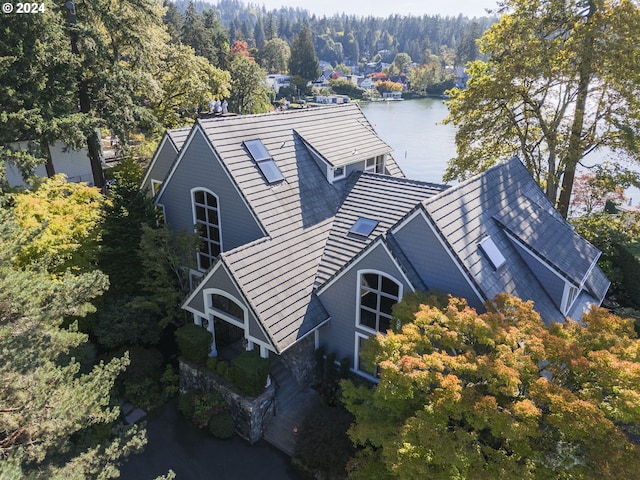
(57, 417)
(258, 33)
(303, 61)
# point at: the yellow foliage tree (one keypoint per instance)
(499, 395)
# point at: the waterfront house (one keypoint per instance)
(310, 233)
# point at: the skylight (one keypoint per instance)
(363, 227)
(492, 252)
(264, 161)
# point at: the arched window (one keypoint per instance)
(378, 293)
(227, 306)
(207, 220)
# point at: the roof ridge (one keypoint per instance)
(293, 111)
(405, 180)
(457, 187)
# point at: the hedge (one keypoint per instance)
(194, 343)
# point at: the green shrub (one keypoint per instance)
(206, 406)
(170, 381)
(323, 444)
(222, 369)
(145, 394)
(186, 404)
(212, 363)
(194, 343)
(249, 372)
(222, 426)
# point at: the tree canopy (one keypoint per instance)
(57, 416)
(498, 395)
(304, 61)
(560, 81)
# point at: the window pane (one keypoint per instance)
(213, 233)
(227, 306)
(205, 263)
(199, 196)
(201, 214)
(270, 171)
(367, 318)
(363, 365)
(386, 303)
(370, 280)
(213, 217)
(211, 201)
(215, 249)
(390, 287)
(384, 324)
(368, 299)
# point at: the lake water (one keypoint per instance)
(422, 145)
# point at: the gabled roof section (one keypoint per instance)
(376, 197)
(506, 194)
(277, 276)
(164, 157)
(178, 136)
(304, 198)
(346, 138)
(552, 240)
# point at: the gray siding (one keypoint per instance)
(163, 161)
(200, 168)
(432, 262)
(553, 284)
(221, 280)
(339, 299)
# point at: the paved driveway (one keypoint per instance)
(193, 454)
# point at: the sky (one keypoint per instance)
(384, 8)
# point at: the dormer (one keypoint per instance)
(561, 260)
(347, 145)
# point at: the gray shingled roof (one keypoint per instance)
(276, 274)
(305, 197)
(467, 213)
(377, 197)
(178, 136)
(554, 241)
(277, 277)
(342, 141)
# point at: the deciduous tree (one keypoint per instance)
(57, 417)
(499, 395)
(560, 82)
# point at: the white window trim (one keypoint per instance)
(195, 220)
(224, 316)
(359, 274)
(567, 301)
(356, 359)
(372, 168)
(153, 185)
(335, 177)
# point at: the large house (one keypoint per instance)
(310, 232)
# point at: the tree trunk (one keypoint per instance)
(575, 151)
(93, 142)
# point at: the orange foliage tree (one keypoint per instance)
(498, 395)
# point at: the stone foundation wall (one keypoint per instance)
(301, 361)
(250, 414)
